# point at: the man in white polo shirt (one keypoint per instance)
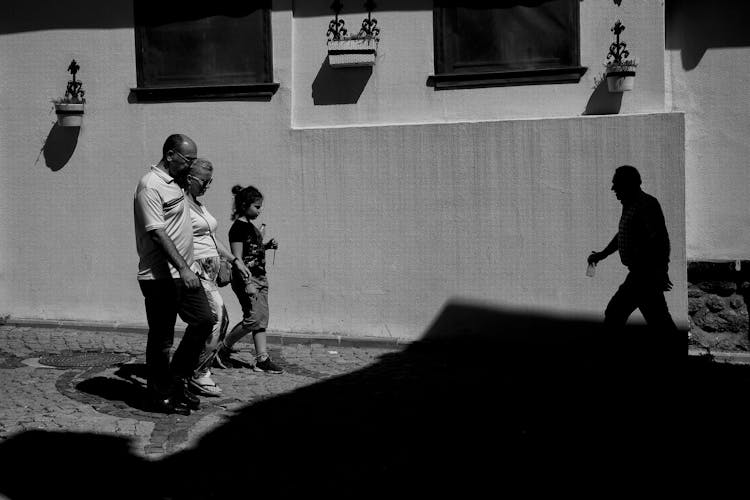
(164, 239)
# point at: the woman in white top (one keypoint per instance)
(207, 251)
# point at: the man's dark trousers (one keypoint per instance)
(641, 290)
(649, 377)
(165, 299)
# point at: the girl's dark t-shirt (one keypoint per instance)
(252, 246)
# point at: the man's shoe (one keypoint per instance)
(267, 366)
(168, 406)
(183, 396)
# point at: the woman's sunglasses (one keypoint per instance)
(203, 184)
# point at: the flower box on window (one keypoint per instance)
(352, 52)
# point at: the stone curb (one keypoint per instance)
(280, 338)
(739, 358)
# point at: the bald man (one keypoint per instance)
(643, 244)
(164, 239)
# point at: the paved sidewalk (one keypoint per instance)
(63, 379)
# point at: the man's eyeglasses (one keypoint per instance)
(203, 184)
(188, 161)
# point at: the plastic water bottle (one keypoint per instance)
(591, 270)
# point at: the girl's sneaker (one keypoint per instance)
(267, 366)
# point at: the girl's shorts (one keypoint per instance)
(255, 308)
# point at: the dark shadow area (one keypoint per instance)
(127, 391)
(318, 8)
(602, 101)
(19, 16)
(167, 12)
(114, 390)
(339, 85)
(134, 99)
(694, 26)
(60, 145)
(491, 400)
(73, 465)
(132, 372)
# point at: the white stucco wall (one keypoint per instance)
(396, 92)
(378, 225)
(402, 218)
(707, 81)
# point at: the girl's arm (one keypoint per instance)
(237, 248)
(271, 244)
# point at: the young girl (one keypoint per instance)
(246, 242)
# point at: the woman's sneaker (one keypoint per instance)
(267, 366)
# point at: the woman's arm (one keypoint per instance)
(233, 257)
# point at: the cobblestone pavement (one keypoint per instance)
(60, 379)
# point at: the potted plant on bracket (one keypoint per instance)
(352, 50)
(69, 108)
(620, 70)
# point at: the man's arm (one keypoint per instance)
(657, 238)
(159, 236)
(611, 248)
(657, 244)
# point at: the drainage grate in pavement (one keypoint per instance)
(83, 359)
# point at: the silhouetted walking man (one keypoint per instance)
(643, 244)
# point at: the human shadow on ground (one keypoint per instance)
(490, 400)
(133, 395)
(126, 389)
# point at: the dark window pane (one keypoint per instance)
(474, 36)
(220, 44)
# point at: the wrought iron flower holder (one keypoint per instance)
(620, 70)
(69, 108)
(345, 51)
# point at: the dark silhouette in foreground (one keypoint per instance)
(488, 402)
